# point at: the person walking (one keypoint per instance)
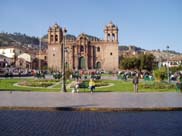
(135, 83)
(91, 85)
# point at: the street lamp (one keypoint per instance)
(167, 47)
(39, 54)
(66, 57)
(63, 89)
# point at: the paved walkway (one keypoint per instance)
(86, 100)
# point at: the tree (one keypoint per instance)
(130, 63)
(175, 69)
(147, 61)
(160, 74)
(143, 61)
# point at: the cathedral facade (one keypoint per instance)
(83, 52)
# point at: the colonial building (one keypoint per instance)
(24, 60)
(4, 61)
(17, 56)
(83, 52)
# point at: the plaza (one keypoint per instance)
(80, 114)
(91, 68)
(111, 101)
(69, 123)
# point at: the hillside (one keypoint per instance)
(72, 37)
(132, 47)
(18, 39)
(135, 48)
(8, 39)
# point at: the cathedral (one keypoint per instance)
(84, 52)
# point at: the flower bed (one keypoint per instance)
(38, 83)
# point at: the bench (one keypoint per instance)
(122, 77)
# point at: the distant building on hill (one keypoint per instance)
(129, 51)
(164, 58)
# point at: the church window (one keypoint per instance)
(109, 38)
(56, 38)
(113, 36)
(111, 53)
(81, 48)
(51, 38)
(98, 49)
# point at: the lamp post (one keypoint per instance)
(63, 89)
(167, 48)
(39, 54)
(66, 57)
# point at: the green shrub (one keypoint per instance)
(57, 75)
(160, 74)
(157, 85)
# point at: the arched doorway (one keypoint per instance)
(98, 65)
(81, 63)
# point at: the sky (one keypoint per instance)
(149, 24)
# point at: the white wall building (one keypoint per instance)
(10, 52)
(20, 56)
(27, 57)
(173, 62)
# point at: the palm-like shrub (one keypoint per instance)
(160, 74)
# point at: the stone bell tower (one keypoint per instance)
(110, 59)
(111, 32)
(55, 37)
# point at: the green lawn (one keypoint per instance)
(127, 86)
(8, 85)
(115, 86)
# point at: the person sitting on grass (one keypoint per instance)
(75, 86)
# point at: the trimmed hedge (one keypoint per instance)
(157, 85)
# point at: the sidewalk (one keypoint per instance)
(86, 101)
